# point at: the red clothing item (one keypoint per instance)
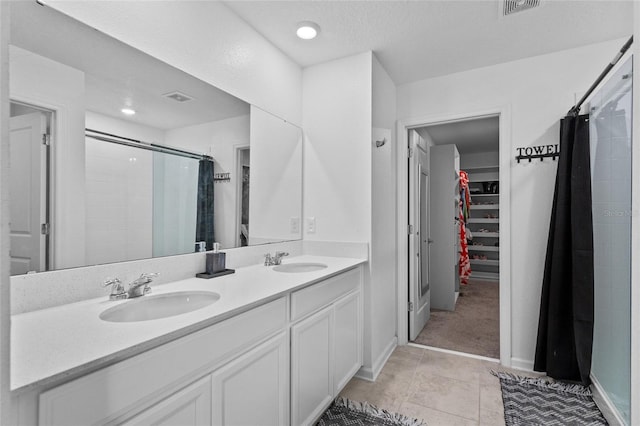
(464, 264)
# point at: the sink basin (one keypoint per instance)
(159, 306)
(299, 267)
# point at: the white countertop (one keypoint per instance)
(67, 341)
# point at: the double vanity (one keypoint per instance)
(268, 345)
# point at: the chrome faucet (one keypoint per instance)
(274, 260)
(279, 255)
(140, 286)
(117, 289)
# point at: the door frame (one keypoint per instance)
(59, 130)
(504, 116)
(51, 114)
(238, 150)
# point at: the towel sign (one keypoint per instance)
(538, 151)
(221, 177)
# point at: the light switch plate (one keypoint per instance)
(294, 224)
(311, 225)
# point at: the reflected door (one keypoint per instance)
(28, 193)
(423, 288)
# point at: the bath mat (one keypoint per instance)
(343, 412)
(542, 401)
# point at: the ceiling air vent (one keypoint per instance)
(178, 96)
(514, 6)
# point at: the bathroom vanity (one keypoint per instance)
(274, 349)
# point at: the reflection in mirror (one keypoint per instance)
(118, 156)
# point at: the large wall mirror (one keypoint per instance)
(118, 156)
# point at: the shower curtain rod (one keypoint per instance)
(576, 108)
(121, 140)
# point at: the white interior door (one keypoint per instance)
(27, 193)
(419, 292)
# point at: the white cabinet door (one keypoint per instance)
(253, 389)
(347, 339)
(311, 366)
(189, 406)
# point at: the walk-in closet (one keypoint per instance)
(463, 235)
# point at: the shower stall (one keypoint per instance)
(611, 144)
(141, 199)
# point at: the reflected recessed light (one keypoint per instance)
(307, 30)
(128, 111)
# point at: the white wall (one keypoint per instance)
(42, 82)
(349, 185)
(220, 140)
(205, 39)
(337, 164)
(275, 179)
(383, 290)
(539, 91)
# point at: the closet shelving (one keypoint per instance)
(484, 222)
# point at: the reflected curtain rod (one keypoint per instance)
(121, 140)
(576, 108)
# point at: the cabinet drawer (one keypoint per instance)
(126, 387)
(188, 407)
(310, 299)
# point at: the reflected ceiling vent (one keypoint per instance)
(178, 96)
(514, 6)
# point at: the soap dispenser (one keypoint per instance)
(216, 260)
(215, 264)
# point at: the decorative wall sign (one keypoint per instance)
(538, 151)
(221, 177)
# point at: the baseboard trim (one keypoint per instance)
(522, 364)
(607, 407)
(371, 373)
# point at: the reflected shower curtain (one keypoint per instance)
(204, 223)
(565, 328)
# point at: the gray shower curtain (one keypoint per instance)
(565, 327)
(205, 217)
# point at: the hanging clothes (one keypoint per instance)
(565, 328)
(464, 264)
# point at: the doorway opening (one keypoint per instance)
(29, 188)
(243, 175)
(454, 242)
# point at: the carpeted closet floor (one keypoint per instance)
(473, 327)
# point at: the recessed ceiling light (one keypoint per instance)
(307, 30)
(128, 111)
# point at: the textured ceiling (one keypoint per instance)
(415, 40)
(117, 74)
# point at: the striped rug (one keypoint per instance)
(345, 412)
(542, 401)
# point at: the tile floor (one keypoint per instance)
(440, 388)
